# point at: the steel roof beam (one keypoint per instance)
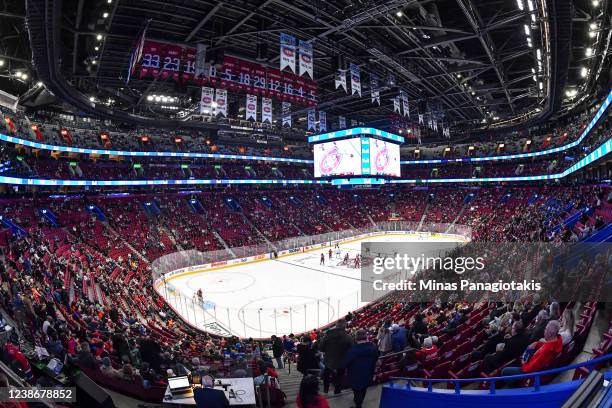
(204, 20)
(474, 20)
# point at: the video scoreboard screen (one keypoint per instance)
(359, 156)
(384, 158)
(338, 158)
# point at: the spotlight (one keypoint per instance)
(592, 34)
(588, 51)
(99, 37)
(595, 3)
(583, 72)
(39, 84)
(593, 26)
(399, 13)
(149, 98)
(1, 63)
(105, 15)
(97, 48)
(18, 74)
(24, 76)
(92, 99)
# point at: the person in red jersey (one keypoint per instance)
(308, 396)
(541, 354)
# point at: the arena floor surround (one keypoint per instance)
(293, 293)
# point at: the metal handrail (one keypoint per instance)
(493, 380)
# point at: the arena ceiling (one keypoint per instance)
(469, 60)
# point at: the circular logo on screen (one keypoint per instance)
(381, 161)
(330, 161)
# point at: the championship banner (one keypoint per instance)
(306, 59)
(221, 101)
(200, 62)
(251, 107)
(405, 105)
(322, 121)
(287, 52)
(286, 113)
(420, 118)
(341, 122)
(311, 120)
(266, 110)
(341, 80)
(396, 105)
(355, 80)
(206, 100)
(374, 92)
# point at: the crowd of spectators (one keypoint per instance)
(70, 294)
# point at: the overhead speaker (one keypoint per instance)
(339, 62)
(422, 106)
(91, 395)
(262, 52)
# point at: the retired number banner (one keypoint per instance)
(206, 100)
(221, 100)
(251, 107)
(287, 52)
(355, 80)
(306, 66)
(266, 110)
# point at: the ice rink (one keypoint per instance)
(291, 294)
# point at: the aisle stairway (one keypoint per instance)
(290, 384)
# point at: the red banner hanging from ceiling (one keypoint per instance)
(177, 62)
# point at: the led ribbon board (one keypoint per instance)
(115, 183)
(595, 155)
(82, 150)
(602, 109)
(323, 137)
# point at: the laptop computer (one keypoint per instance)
(180, 387)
